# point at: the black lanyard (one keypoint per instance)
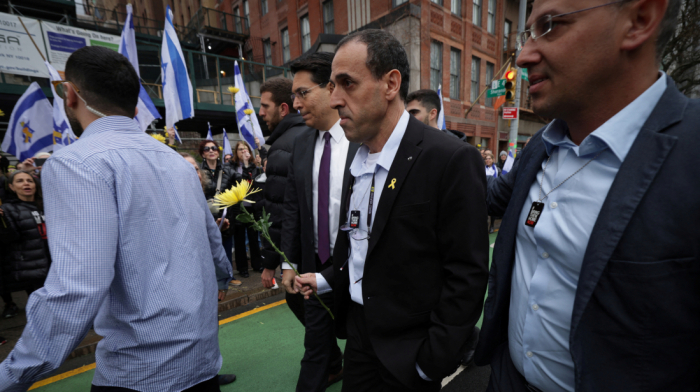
(371, 202)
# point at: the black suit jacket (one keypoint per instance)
(426, 268)
(298, 225)
(636, 319)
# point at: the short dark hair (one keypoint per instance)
(428, 98)
(318, 64)
(105, 78)
(204, 143)
(281, 90)
(384, 53)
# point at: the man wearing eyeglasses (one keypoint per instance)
(594, 279)
(317, 179)
(108, 196)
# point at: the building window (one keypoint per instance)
(507, 27)
(246, 13)
(456, 6)
(437, 1)
(328, 26)
(476, 12)
(285, 45)
(455, 72)
(491, 22)
(267, 51)
(476, 69)
(305, 34)
(397, 3)
(489, 77)
(435, 65)
(237, 19)
(263, 6)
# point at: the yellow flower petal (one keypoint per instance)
(234, 195)
(234, 89)
(158, 137)
(248, 111)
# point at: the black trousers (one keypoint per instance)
(296, 305)
(504, 376)
(322, 356)
(363, 369)
(239, 231)
(211, 385)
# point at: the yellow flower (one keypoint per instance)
(158, 137)
(221, 148)
(234, 89)
(248, 111)
(2, 114)
(234, 195)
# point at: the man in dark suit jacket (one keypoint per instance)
(411, 290)
(596, 287)
(312, 211)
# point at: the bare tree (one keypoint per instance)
(681, 57)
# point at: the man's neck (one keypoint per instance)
(386, 127)
(329, 120)
(616, 98)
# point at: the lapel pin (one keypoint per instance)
(393, 181)
(409, 158)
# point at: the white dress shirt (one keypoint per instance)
(339, 154)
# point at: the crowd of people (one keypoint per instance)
(592, 286)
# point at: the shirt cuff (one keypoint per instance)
(286, 266)
(421, 374)
(322, 286)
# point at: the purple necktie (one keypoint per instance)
(324, 177)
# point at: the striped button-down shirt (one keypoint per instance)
(136, 252)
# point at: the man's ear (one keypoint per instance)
(433, 114)
(284, 110)
(393, 82)
(642, 24)
(71, 96)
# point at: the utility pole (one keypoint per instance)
(513, 138)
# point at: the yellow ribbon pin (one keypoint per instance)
(393, 181)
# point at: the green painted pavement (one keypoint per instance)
(264, 350)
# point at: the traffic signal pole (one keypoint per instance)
(513, 138)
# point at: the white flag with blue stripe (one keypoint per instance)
(243, 102)
(62, 132)
(127, 47)
(30, 130)
(226, 145)
(177, 88)
(441, 116)
(509, 163)
(209, 135)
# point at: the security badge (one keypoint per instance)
(534, 215)
(354, 219)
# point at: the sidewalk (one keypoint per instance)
(250, 291)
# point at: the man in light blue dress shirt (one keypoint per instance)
(589, 291)
(132, 243)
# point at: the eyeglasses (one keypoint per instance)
(544, 25)
(60, 89)
(207, 149)
(302, 94)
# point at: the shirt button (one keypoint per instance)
(529, 354)
(545, 255)
(553, 205)
(535, 307)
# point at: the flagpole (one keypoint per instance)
(30, 37)
(487, 87)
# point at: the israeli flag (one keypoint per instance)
(30, 130)
(177, 88)
(127, 47)
(226, 144)
(209, 135)
(509, 163)
(441, 117)
(244, 121)
(62, 132)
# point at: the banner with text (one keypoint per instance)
(62, 41)
(17, 52)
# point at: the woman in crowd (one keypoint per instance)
(502, 157)
(493, 171)
(26, 258)
(244, 166)
(217, 177)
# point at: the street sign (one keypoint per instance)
(525, 74)
(510, 113)
(497, 89)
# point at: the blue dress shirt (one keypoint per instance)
(548, 257)
(132, 243)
